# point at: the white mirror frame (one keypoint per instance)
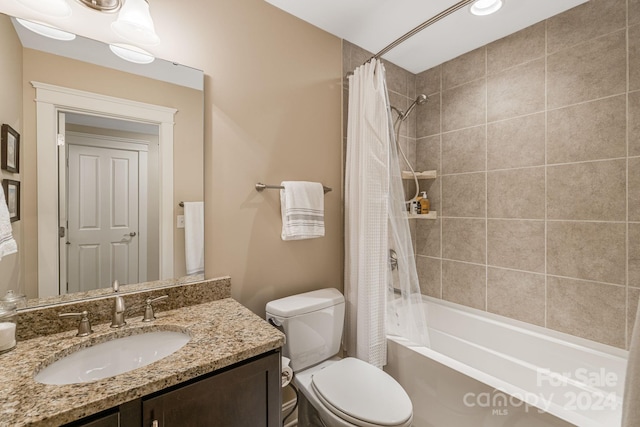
(50, 100)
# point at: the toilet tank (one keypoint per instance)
(312, 322)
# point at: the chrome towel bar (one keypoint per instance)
(260, 186)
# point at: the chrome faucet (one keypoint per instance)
(117, 316)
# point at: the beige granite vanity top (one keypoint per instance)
(222, 333)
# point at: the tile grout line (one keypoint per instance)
(626, 303)
(546, 213)
(486, 179)
(499, 267)
(552, 165)
(440, 184)
(580, 221)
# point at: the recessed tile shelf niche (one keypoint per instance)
(422, 175)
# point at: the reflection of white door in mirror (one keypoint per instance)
(102, 240)
(50, 101)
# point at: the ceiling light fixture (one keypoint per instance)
(135, 25)
(46, 30)
(485, 7)
(103, 5)
(52, 8)
(132, 53)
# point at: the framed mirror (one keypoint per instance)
(103, 141)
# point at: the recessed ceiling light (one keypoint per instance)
(485, 7)
(46, 30)
(132, 53)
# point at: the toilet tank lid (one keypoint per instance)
(307, 302)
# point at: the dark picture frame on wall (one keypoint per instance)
(12, 196)
(10, 148)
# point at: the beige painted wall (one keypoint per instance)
(188, 164)
(273, 113)
(11, 114)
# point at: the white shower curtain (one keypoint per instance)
(375, 222)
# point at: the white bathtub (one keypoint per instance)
(484, 370)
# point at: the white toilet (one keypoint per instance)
(345, 392)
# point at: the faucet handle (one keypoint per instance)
(149, 315)
(84, 327)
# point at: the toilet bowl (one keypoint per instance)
(349, 392)
(345, 392)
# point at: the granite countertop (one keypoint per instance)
(222, 333)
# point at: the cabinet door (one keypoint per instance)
(246, 395)
(111, 420)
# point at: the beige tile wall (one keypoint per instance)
(539, 138)
(536, 140)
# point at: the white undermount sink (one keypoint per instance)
(112, 357)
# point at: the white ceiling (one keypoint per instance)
(374, 24)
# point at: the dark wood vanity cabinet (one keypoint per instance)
(245, 394)
(109, 418)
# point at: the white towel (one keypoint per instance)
(631, 402)
(8, 245)
(194, 236)
(302, 208)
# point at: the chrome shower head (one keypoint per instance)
(421, 99)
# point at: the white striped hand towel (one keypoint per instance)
(302, 206)
(8, 245)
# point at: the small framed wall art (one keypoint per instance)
(10, 149)
(12, 194)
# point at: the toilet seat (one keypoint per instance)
(362, 394)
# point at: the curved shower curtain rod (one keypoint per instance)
(419, 28)
(422, 26)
